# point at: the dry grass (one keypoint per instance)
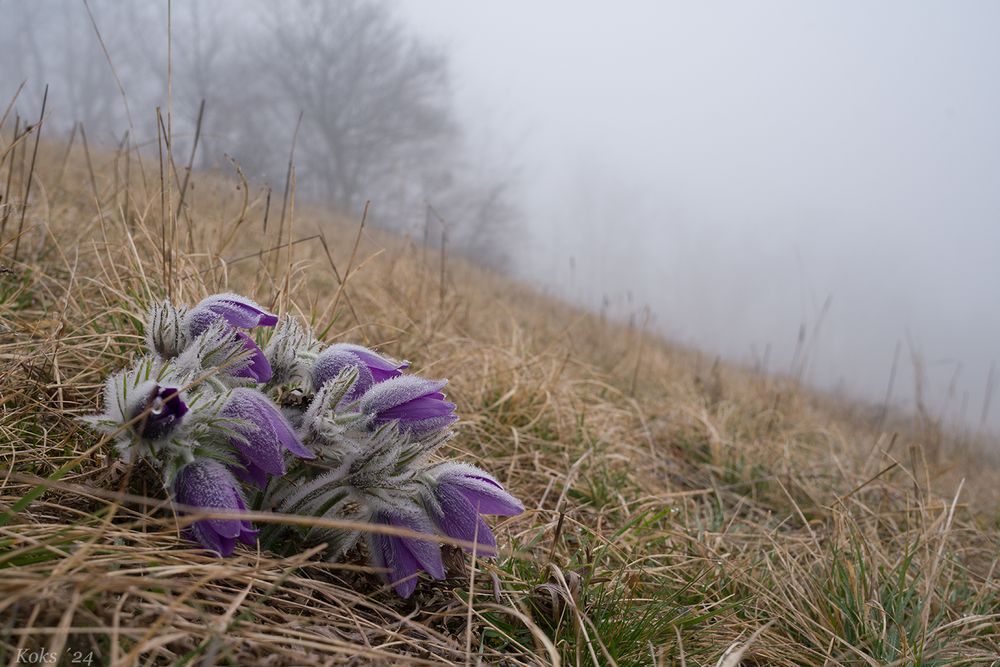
(677, 508)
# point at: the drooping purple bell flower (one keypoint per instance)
(461, 494)
(404, 557)
(208, 484)
(415, 402)
(165, 410)
(263, 436)
(238, 312)
(372, 367)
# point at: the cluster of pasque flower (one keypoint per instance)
(338, 432)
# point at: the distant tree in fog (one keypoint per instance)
(375, 100)
(35, 43)
(376, 105)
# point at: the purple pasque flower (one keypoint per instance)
(404, 557)
(461, 493)
(208, 484)
(162, 409)
(262, 436)
(372, 367)
(238, 312)
(415, 402)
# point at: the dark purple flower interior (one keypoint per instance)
(165, 412)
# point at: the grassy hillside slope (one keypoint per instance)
(679, 511)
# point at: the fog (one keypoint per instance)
(810, 188)
(737, 166)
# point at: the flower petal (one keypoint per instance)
(238, 311)
(259, 369)
(208, 484)
(424, 407)
(500, 502)
(250, 473)
(427, 426)
(382, 368)
(259, 444)
(227, 544)
(283, 430)
(200, 532)
(332, 361)
(381, 375)
(398, 390)
(480, 489)
(249, 535)
(387, 552)
(458, 518)
(426, 552)
(260, 448)
(416, 402)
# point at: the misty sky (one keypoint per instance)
(733, 165)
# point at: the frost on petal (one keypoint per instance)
(388, 394)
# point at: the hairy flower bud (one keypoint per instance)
(165, 333)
